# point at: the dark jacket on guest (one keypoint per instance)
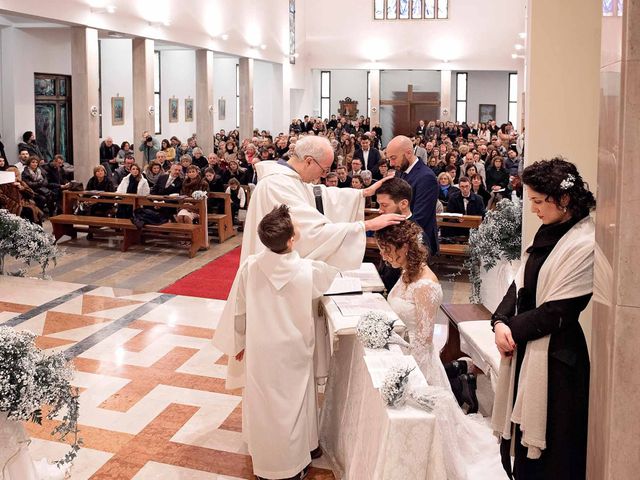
(372, 161)
(497, 177)
(32, 147)
(445, 194)
(475, 205)
(424, 186)
(108, 153)
(346, 183)
(104, 186)
(55, 176)
(160, 188)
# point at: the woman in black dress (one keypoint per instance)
(542, 307)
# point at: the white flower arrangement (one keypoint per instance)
(375, 330)
(568, 182)
(394, 385)
(499, 237)
(199, 195)
(30, 380)
(25, 241)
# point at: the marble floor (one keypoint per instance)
(153, 402)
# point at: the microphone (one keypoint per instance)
(317, 193)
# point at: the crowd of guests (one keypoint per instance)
(476, 164)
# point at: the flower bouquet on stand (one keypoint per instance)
(33, 385)
(25, 241)
(375, 330)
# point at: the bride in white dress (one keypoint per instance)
(471, 450)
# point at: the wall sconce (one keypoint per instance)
(374, 109)
(210, 108)
(445, 111)
(94, 111)
(251, 108)
(151, 110)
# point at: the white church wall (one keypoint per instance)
(117, 80)
(25, 52)
(177, 80)
(263, 95)
(484, 88)
(224, 86)
(349, 83)
(477, 36)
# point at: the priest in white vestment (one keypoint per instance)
(275, 334)
(337, 236)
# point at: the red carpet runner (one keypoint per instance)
(214, 280)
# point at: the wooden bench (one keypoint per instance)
(456, 314)
(464, 221)
(197, 234)
(67, 222)
(222, 221)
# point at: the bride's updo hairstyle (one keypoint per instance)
(556, 178)
(397, 236)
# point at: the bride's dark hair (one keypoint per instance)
(405, 233)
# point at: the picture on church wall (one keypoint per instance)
(188, 109)
(117, 110)
(486, 112)
(222, 109)
(173, 110)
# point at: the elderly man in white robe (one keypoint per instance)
(337, 236)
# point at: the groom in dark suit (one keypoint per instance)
(423, 184)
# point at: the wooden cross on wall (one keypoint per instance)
(413, 101)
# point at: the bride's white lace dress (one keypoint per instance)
(471, 451)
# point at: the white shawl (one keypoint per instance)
(566, 273)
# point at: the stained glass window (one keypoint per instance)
(416, 9)
(620, 7)
(392, 9)
(607, 8)
(378, 9)
(443, 8)
(292, 31)
(430, 9)
(404, 9)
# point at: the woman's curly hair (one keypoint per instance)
(558, 177)
(405, 233)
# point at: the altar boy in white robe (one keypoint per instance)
(337, 235)
(275, 334)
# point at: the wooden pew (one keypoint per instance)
(196, 234)
(222, 221)
(458, 313)
(464, 221)
(67, 223)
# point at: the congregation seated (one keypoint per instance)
(122, 171)
(36, 179)
(213, 179)
(192, 182)
(477, 187)
(465, 202)
(149, 147)
(57, 181)
(30, 145)
(168, 149)
(109, 154)
(3, 164)
(169, 183)
(497, 175)
(153, 172)
(445, 182)
(134, 183)
(238, 198)
(198, 159)
(19, 199)
(125, 150)
(344, 180)
(235, 171)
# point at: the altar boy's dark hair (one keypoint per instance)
(276, 228)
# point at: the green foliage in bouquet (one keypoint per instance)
(499, 237)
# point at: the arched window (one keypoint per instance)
(410, 9)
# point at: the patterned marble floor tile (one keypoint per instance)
(197, 312)
(84, 466)
(162, 470)
(33, 291)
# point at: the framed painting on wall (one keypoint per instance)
(173, 110)
(188, 109)
(117, 110)
(486, 112)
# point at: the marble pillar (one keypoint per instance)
(374, 94)
(85, 82)
(246, 98)
(445, 95)
(143, 111)
(614, 425)
(562, 85)
(204, 100)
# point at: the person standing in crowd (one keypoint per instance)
(423, 183)
(109, 154)
(542, 396)
(148, 147)
(30, 145)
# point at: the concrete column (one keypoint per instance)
(246, 98)
(85, 81)
(445, 95)
(614, 443)
(143, 121)
(374, 94)
(204, 100)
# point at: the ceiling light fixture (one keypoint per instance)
(522, 35)
(224, 36)
(519, 47)
(107, 9)
(263, 46)
(515, 55)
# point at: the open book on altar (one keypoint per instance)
(357, 305)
